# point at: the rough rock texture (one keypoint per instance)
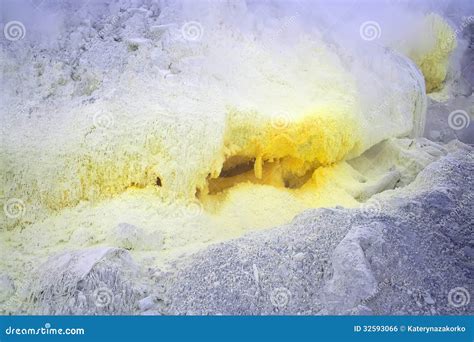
(90, 281)
(405, 251)
(107, 97)
(7, 288)
(405, 254)
(451, 120)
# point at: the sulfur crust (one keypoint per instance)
(296, 127)
(321, 137)
(318, 124)
(434, 59)
(65, 158)
(290, 119)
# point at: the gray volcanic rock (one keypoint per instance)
(409, 252)
(7, 288)
(404, 251)
(89, 281)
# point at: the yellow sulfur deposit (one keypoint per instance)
(163, 132)
(239, 138)
(169, 134)
(320, 137)
(432, 55)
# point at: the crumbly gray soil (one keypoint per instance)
(406, 251)
(401, 256)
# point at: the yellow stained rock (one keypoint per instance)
(432, 57)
